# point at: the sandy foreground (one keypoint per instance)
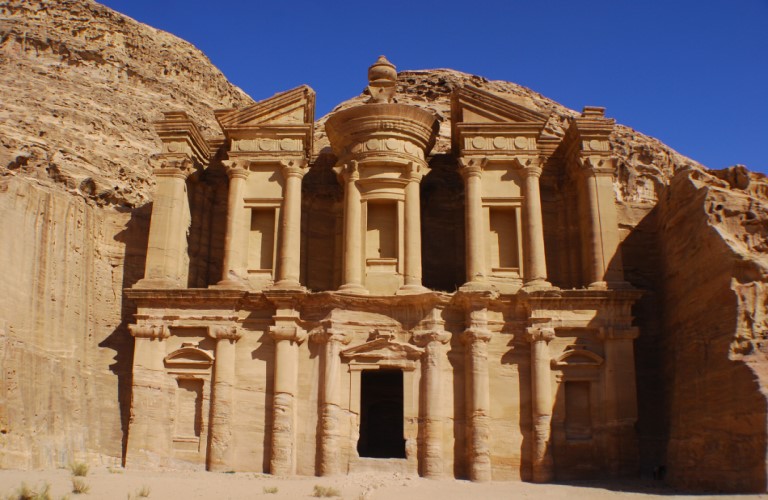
(117, 483)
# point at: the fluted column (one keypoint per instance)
(167, 264)
(478, 398)
(220, 455)
(332, 341)
(145, 436)
(413, 231)
(290, 228)
(471, 170)
(353, 236)
(541, 389)
(235, 266)
(432, 416)
(535, 269)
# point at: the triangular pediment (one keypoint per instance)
(473, 105)
(383, 349)
(292, 107)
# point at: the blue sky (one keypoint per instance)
(693, 74)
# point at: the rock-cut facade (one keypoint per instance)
(377, 305)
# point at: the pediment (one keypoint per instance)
(292, 107)
(384, 349)
(188, 356)
(473, 105)
(577, 357)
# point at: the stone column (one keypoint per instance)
(432, 416)
(604, 257)
(413, 231)
(478, 398)
(149, 400)
(287, 335)
(330, 399)
(541, 390)
(535, 269)
(290, 227)
(621, 400)
(222, 397)
(235, 267)
(471, 170)
(167, 264)
(353, 236)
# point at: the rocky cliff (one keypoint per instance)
(81, 85)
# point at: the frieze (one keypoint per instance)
(268, 145)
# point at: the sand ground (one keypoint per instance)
(118, 483)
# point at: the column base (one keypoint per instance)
(476, 286)
(537, 284)
(353, 288)
(231, 283)
(412, 290)
(598, 285)
(288, 285)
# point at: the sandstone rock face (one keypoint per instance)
(75, 195)
(80, 86)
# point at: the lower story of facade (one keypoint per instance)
(534, 386)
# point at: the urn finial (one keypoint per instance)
(382, 80)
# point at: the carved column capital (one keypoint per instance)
(537, 334)
(236, 169)
(294, 167)
(148, 331)
(177, 165)
(593, 165)
(424, 337)
(325, 335)
(472, 167)
(415, 172)
(349, 172)
(294, 333)
(530, 164)
(228, 332)
(471, 335)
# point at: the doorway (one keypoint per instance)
(381, 414)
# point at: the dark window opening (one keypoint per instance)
(381, 414)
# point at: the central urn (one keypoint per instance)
(381, 148)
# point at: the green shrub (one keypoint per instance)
(79, 486)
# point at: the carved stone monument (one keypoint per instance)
(292, 321)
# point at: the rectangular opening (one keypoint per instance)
(189, 408)
(262, 239)
(381, 414)
(503, 238)
(381, 234)
(578, 411)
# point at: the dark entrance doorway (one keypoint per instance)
(381, 414)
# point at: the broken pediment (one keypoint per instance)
(292, 107)
(383, 349)
(472, 105)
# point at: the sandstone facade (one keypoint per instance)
(520, 369)
(75, 181)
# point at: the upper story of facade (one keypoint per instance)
(511, 206)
